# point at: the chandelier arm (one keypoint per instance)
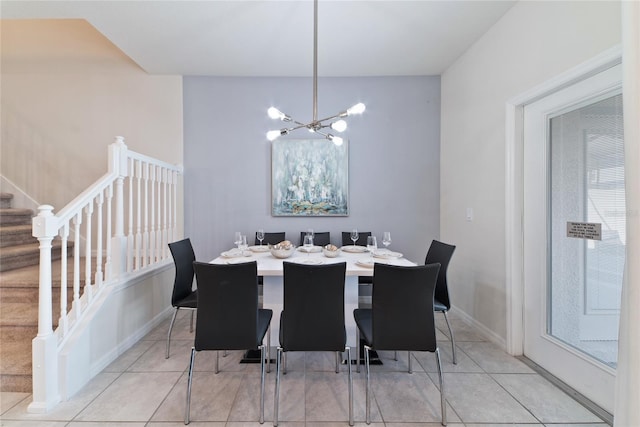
(321, 133)
(300, 125)
(335, 116)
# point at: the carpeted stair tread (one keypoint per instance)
(15, 358)
(19, 314)
(17, 256)
(28, 276)
(16, 234)
(17, 231)
(16, 383)
(25, 315)
(10, 216)
(20, 249)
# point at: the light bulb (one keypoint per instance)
(335, 139)
(356, 109)
(274, 113)
(272, 135)
(339, 126)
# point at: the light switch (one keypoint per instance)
(469, 214)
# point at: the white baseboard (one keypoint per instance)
(107, 358)
(480, 328)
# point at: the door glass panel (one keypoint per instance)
(587, 186)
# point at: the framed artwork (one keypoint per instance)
(309, 177)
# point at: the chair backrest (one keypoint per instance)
(271, 238)
(319, 239)
(402, 307)
(362, 238)
(313, 314)
(227, 306)
(183, 257)
(441, 253)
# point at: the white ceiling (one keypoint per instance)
(275, 38)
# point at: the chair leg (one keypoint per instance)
(409, 362)
(284, 363)
(191, 321)
(173, 319)
(269, 349)
(276, 398)
(443, 406)
(358, 351)
(368, 385)
(337, 362)
(395, 355)
(189, 380)
(453, 340)
(348, 349)
(217, 359)
(262, 384)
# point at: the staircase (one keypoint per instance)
(19, 277)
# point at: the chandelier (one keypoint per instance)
(315, 126)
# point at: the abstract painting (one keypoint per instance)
(309, 177)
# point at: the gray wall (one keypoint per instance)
(394, 157)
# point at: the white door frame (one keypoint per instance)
(514, 184)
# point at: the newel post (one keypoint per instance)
(118, 164)
(44, 345)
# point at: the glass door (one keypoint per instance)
(574, 225)
(587, 192)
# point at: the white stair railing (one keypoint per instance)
(137, 189)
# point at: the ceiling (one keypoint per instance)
(275, 38)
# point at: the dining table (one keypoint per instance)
(359, 262)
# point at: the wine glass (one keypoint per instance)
(386, 238)
(354, 236)
(243, 243)
(308, 243)
(372, 244)
(260, 236)
(238, 239)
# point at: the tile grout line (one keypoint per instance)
(571, 392)
(489, 374)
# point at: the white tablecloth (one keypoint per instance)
(271, 269)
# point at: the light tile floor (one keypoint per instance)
(141, 388)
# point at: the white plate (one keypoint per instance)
(384, 253)
(235, 253)
(368, 263)
(310, 261)
(257, 248)
(354, 249)
(313, 249)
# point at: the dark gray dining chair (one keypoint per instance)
(401, 318)
(271, 238)
(441, 253)
(362, 238)
(229, 317)
(312, 318)
(319, 239)
(183, 295)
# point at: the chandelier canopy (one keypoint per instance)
(315, 126)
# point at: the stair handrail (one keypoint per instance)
(121, 254)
